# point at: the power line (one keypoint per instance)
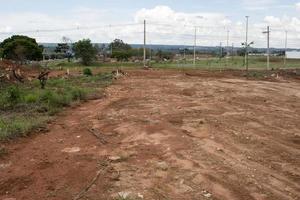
(69, 29)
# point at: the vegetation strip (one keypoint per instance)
(25, 107)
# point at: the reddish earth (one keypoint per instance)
(166, 135)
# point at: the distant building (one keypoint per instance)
(293, 54)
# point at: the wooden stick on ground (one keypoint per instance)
(87, 188)
(102, 140)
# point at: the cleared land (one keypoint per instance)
(166, 135)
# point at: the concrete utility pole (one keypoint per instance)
(285, 46)
(232, 54)
(150, 56)
(227, 47)
(268, 46)
(195, 44)
(144, 43)
(246, 44)
(221, 51)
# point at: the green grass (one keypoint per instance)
(25, 107)
(230, 63)
(205, 63)
(11, 127)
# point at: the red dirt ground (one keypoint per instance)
(166, 135)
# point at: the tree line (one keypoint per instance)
(22, 48)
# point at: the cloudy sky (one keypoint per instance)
(168, 21)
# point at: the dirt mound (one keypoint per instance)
(13, 72)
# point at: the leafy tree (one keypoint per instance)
(21, 48)
(62, 48)
(85, 50)
(1, 52)
(121, 55)
(119, 45)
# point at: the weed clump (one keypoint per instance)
(87, 72)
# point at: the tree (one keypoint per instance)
(119, 45)
(121, 55)
(21, 48)
(85, 50)
(64, 49)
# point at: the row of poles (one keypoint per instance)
(246, 44)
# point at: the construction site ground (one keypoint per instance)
(166, 135)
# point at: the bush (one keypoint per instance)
(13, 95)
(9, 97)
(87, 72)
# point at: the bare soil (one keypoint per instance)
(166, 135)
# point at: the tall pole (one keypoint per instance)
(195, 44)
(221, 51)
(268, 46)
(227, 47)
(150, 53)
(285, 47)
(246, 44)
(268, 66)
(232, 54)
(144, 43)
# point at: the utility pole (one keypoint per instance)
(286, 41)
(195, 44)
(150, 53)
(144, 43)
(232, 49)
(111, 46)
(221, 50)
(246, 44)
(227, 47)
(268, 46)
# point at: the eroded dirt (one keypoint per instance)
(165, 135)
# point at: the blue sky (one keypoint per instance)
(22, 15)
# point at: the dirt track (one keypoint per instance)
(164, 135)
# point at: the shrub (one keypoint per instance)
(13, 95)
(87, 72)
(9, 97)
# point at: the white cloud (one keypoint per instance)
(164, 26)
(298, 6)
